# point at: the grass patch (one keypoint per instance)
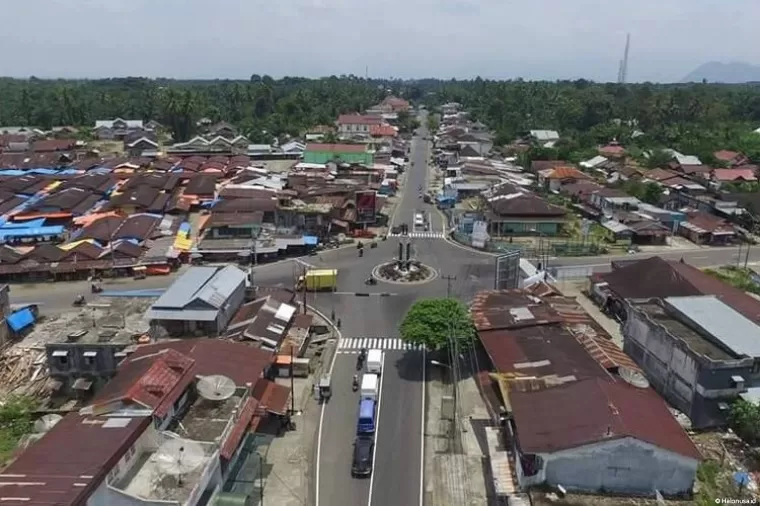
(737, 277)
(15, 423)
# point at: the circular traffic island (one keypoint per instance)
(404, 273)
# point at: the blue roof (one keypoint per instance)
(67, 172)
(39, 222)
(12, 172)
(20, 319)
(31, 232)
(44, 172)
(310, 240)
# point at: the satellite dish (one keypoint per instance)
(632, 377)
(215, 387)
(179, 456)
(46, 422)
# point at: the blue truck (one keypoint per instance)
(366, 422)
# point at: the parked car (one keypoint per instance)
(364, 449)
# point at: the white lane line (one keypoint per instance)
(322, 412)
(422, 431)
(377, 431)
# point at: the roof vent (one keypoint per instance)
(633, 377)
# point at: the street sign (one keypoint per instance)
(508, 271)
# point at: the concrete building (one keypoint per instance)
(347, 153)
(698, 353)
(201, 302)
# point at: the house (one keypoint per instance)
(612, 150)
(54, 145)
(660, 175)
(731, 158)
(140, 145)
(551, 357)
(704, 228)
(158, 408)
(202, 301)
(537, 166)
(346, 153)
(383, 133)
(544, 138)
(116, 128)
(223, 129)
(556, 177)
(393, 104)
(357, 124)
(510, 211)
(698, 352)
(609, 199)
(245, 225)
(737, 175)
(293, 147)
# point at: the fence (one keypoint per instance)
(551, 247)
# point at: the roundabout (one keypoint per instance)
(404, 273)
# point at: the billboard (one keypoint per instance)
(366, 202)
(479, 234)
(508, 271)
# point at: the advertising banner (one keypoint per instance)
(366, 202)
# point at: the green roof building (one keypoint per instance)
(348, 153)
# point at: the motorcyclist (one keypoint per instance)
(355, 382)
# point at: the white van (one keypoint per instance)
(370, 386)
(419, 220)
(375, 361)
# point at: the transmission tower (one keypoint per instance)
(623, 70)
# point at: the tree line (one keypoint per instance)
(263, 108)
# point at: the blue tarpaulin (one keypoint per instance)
(185, 227)
(30, 232)
(37, 223)
(12, 172)
(20, 319)
(310, 240)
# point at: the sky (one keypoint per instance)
(500, 39)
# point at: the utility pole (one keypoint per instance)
(261, 479)
(303, 290)
(453, 370)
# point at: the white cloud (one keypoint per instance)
(404, 38)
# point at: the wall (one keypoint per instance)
(233, 304)
(624, 466)
(325, 156)
(683, 378)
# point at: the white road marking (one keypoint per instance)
(422, 432)
(322, 412)
(377, 431)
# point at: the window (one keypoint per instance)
(89, 358)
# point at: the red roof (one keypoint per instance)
(69, 462)
(359, 119)
(725, 155)
(54, 145)
(566, 173)
(239, 429)
(271, 396)
(382, 131)
(337, 148)
(612, 149)
(734, 174)
(593, 411)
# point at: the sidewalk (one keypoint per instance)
(455, 479)
(289, 458)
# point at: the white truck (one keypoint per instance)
(370, 386)
(375, 361)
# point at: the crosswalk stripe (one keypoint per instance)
(380, 343)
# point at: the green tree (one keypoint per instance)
(744, 418)
(430, 322)
(15, 422)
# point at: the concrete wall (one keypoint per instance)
(689, 382)
(624, 466)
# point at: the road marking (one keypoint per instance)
(422, 431)
(377, 431)
(699, 258)
(324, 405)
(378, 343)
(421, 235)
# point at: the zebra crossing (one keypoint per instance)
(421, 235)
(355, 344)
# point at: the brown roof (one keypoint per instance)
(100, 183)
(54, 145)
(102, 229)
(538, 165)
(159, 181)
(140, 196)
(660, 174)
(204, 185)
(69, 462)
(337, 148)
(696, 169)
(271, 396)
(359, 119)
(658, 278)
(594, 411)
(139, 226)
(64, 200)
(525, 205)
(237, 193)
(563, 172)
(709, 223)
(245, 205)
(232, 219)
(726, 156)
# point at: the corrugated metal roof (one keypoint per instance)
(197, 315)
(221, 286)
(184, 289)
(721, 321)
(594, 411)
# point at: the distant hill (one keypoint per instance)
(717, 72)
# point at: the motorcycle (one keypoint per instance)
(361, 253)
(370, 281)
(355, 383)
(359, 362)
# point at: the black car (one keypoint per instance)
(364, 448)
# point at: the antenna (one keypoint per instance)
(632, 377)
(623, 71)
(46, 422)
(215, 387)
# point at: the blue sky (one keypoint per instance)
(533, 39)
